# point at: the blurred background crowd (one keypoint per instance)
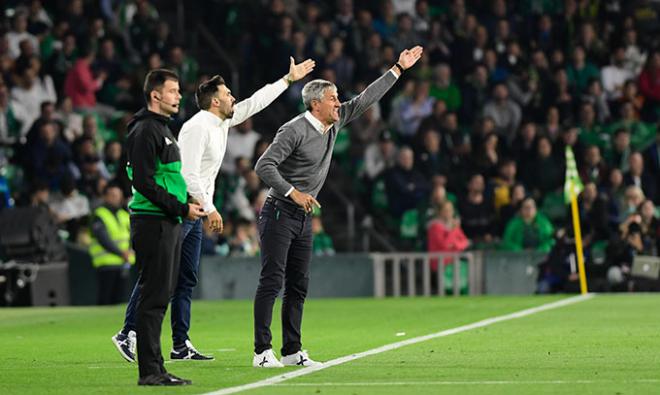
(467, 151)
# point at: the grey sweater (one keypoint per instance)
(300, 156)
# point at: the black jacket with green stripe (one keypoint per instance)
(154, 168)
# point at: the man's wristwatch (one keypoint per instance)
(398, 66)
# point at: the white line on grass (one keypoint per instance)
(487, 382)
(394, 346)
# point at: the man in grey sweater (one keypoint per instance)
(295, 167)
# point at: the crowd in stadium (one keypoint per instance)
(467, 152)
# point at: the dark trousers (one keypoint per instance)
(157, 245)
(112, 283)
(286, 250)
(191, 236)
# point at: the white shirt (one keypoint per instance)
(613, 80)
(203, 142)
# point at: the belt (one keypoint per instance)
(288, 206)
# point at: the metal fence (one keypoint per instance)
(412, 274)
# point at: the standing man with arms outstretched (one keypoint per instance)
(203, 143)
(157, 209)
(295, 167)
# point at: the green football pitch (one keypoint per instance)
(608, 344)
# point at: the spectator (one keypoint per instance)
(487, 156)
(110, 248)
(636, 176)
(477, 212)
(593, 216)
(80, 83)
(503, 181)
(620, 152)
(430, 161)
(547, 174)
(241, 141)
(380, 156)
(19, 34)
(70, 208)
(508, 211)
(652, 156)
(405, 186)
(443, 88)
(72, 122)
(530, 230)
(48, 158)
(414, 110)
(444, 233)
(650, 225)
(31, 90)
(11, 114)
(615, 75)
(475, 92)
(244, 242)
(322, 244)
(504, 111)
(593, 167)
(649, 83)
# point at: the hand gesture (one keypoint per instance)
(409, 57)
(304, 200)
(215, 222)
(300, 70)
(195, 212)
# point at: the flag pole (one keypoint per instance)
(578, 241)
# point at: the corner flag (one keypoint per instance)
(572, 188)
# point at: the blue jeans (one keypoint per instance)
(191, 235)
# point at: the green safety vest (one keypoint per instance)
(118, 228)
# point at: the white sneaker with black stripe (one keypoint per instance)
(126, 345)
(299, 359)
(266, 359)
(189, 352)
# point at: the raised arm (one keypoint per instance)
(266, 95)
(355, 107)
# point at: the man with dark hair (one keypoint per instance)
(295, 167)
(203, 142)
(157, 208)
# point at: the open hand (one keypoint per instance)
(409, 57)
(300, 70)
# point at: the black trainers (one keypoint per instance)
(188, 352)
(125, 345)
(163, 379)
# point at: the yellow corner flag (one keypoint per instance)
(572, 188)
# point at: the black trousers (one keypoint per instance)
(285, 233)
(112, 284)
(157, 245)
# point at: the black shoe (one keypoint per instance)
(163, 379)
(188, 351)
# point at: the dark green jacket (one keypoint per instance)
(154, 168)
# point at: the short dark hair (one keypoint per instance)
(206, 90)
(110, 186)
(155, 80)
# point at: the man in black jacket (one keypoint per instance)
(157, 208)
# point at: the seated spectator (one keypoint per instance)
(591, 132)
(380, 156)
(31, 90)
(652, 155)
(580, 71)
(529, 230)
(244, 241)
(616, 74)
(414, 110)
(486, 158)
(12, 116)
(618, 155)
(430, 161)
(638, 177)
(593, 216)
(477, 212)
(322, 242)
(523, 151)
(508, 211)
(502, 183)
(48, 158)
(505, 112)
(640, 133)
(443, 88)
(241, 141)
(19, 33)
(593, 166)
(650, 225)
(70, 208)
(444, 233)
(621, 252)
(405, 186)
(475, 92)
(649, 85)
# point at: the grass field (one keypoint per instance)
(609, 344)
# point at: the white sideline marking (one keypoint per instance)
(393, 346)
(491, 382)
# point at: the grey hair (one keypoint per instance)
(314, 90)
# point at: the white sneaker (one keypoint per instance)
(299, 359)
(126, 345)
(266, 359)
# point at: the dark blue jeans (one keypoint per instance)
(285, 233)
(191, 235)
